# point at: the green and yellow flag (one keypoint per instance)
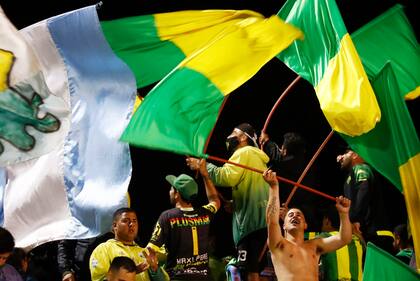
(180, 112)
(153, 45)
(380, 265)
(390, 38)
(390, 55)
(393, 147)
(328, 59)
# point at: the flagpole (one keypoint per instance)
(282, 96)
(278, 177)
(321, 147)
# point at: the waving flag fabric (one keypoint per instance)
(380, 265)
(328, 60)
(29, 114)
(56, 195)
(153, 45)
(180, 112)
(390, 38)
(393, 147)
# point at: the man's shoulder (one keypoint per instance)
(362, 172)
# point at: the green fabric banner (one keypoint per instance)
(390, 38)
(380, 265)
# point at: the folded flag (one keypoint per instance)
(328, 59)
(29, 114)
(56, 195)
(390, 38)
(153, 45)
(181, 111)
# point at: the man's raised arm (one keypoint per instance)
(211, 192)
(273, 210)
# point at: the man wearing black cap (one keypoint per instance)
(184, 230)
(250, 196)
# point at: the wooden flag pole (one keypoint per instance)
(308, 167)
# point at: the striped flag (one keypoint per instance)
(180, 112)
(328, 59)
(153, 45)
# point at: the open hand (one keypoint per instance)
(151, 258)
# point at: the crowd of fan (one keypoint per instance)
(272, 241)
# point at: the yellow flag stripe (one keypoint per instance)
(6, 61)
(345, 94)
(413, 94)
(237, 53)
(137, 103)
(197, 27)
(410, 179)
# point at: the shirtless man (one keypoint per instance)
(293, 258)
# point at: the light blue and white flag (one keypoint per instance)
(72, 191)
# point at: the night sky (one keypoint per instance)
(250, 103)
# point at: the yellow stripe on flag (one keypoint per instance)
(6, 61)
(413, 94)
(137, 103)
(241, 49)
(345, 94)
(197, 27)
(410, 179)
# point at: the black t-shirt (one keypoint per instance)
(185, 234)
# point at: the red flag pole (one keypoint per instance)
(278, 177)
(282, 96)
(321, 147)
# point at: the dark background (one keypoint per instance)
(250, 103)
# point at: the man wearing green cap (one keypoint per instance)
(184, 230)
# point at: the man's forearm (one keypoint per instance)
(345, 232)
(273, 206)
(211, 191)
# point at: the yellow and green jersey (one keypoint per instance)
(102, 256)
(249, 190)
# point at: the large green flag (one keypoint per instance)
(390, 38)
(380, 265)
(393, 147)
(328, 59)
(179, 114)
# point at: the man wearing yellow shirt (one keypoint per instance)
(125, 229)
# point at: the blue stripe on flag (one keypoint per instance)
(97, 167)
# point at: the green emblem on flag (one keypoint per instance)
(17, 112)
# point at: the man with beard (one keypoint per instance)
(367, 212)
(184, 230)
(125, 228)
(293, 257)
(249, 194)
